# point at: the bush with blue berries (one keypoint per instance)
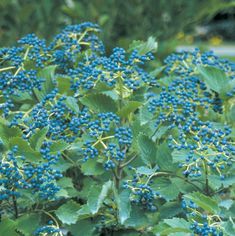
(101, 145)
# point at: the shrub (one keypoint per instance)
(93, 144)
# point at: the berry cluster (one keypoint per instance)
(113, 70)
(105, 140)
(204, 144)
(202, 224)
(142, 191)
(185, 63)
(179, 106)
(18, 173)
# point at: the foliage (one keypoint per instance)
(122, 21)
(93, 144)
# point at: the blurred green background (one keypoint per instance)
(172, 22)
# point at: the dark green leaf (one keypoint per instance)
(48, 74)
(28, 223)
(124, 205)
(129, 108)
(205, 202)
(99, 103)
(97, 195)
(147, 149)
(37, 138)
(24, 149)
(215, 79)
(8, 227)
(59, 146)
(67, 213)
(91, 167)
(82, 227)
(71, 103)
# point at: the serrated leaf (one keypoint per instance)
(48, 74)
(37, 138)
(59, 146)
(91, 167)
(168, 190)
(215, 181)
(179, 155)
(144, 47)
(82, 227)
(229, 227)
(206, 203)
(67, 213)
(28, 223)
(215, 79)
(157, 71)
(144, 170)
(147, 149)
(97, 195)
(124, 205)
(129, 108)
(226, 203)
(137, 218)
(160, 132)
(67, 188)
(8, 227)
(170, 209)
(64, 84)
(24, 149)
(8, 132)
(164, 158)
(99, 102)
(145, 115)
(72, 104)
(178, 223)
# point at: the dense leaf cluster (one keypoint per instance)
(93, 144)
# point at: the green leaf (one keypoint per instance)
(178, 223)
(28, 223)
(144, 170)
(72, 104)
(179, 155)
(97, 195)
(164, 158)
(157, 71)
(99, 103)
(124, 205)
(67, 213)
(7, 133)
(82, 227)
(84, 212)
(215, 79)
(215, 181)
(206, 203)
(37, 138)
(91, 167)
(25, 150)
(129, 108)
(229, 228)
(170, 209)
(147, 149)
(59, 146)
(144, 47)
(67, 188)
(226, 203)
(137, 218)
(145, 115)
(48, 74)
(168, 190)
(8, 227)
(160, 132)
(64, 84)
